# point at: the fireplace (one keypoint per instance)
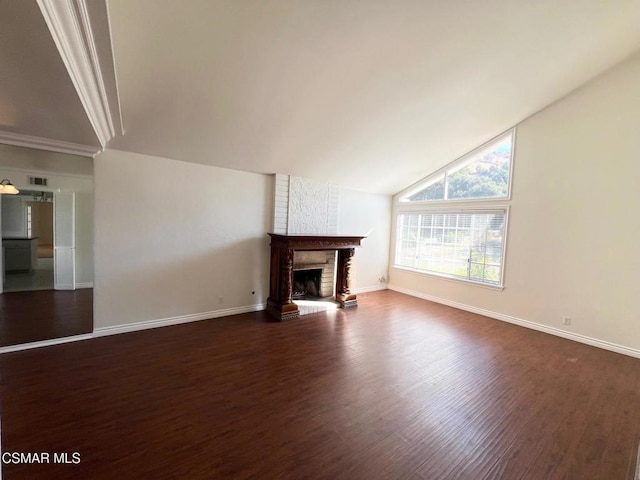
(325, 261)
(282, 282)
(306, 283)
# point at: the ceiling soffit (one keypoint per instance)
(61, 86)
(48, 144)
(70, 27)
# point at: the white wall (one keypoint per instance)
(84, 239)
(57, 181)
(313, 206)
(367, 214)
(175, 239)
(574, 228)
(14, 216)
(44, 162)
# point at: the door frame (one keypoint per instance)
(66, 253)
(40, 189)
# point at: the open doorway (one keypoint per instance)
(27, 238)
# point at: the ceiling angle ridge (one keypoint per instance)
(70, 27)
(40, 143)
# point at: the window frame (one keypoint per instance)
(479, 210)
(456, 206)
(442, 172)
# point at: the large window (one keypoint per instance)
(463, 245)
(447, 224)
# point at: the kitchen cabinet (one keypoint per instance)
(20, 254)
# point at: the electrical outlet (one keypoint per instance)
(382, 279)
(566, 320)
(220, 300)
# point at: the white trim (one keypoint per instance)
(132, 327)
(444, 276)
(40, 143)
(288, 204)
(371, 288)
(44, 343)
(84, 285)
(64, 256)
(70, 28)
(594, 342)
(115, 71)
(90, 46)
(164, 322)
(455, 206)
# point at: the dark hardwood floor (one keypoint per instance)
(396, 388)
(44, 314)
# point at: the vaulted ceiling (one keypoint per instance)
(372, 94)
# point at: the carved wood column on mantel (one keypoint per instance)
(343, 278)
(280, 304)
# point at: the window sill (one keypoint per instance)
(450, 203)
(450, 278)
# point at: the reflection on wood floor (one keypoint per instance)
(397, 388)
(42, 315)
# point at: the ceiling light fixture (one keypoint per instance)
(6, 187)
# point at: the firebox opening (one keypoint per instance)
(306, 283)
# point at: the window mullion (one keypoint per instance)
(418, 241)
(446, 186)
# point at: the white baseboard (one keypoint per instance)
(132, 327)
(164, 322)
(84, 285)
(45, 343)
(372, 288)
(594, 342)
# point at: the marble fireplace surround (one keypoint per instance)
(280, 303)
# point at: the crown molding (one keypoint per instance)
(70, 27)
(48, 144)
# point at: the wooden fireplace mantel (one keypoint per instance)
(280, 304)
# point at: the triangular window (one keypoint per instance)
(482, 173)
(431, 191)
